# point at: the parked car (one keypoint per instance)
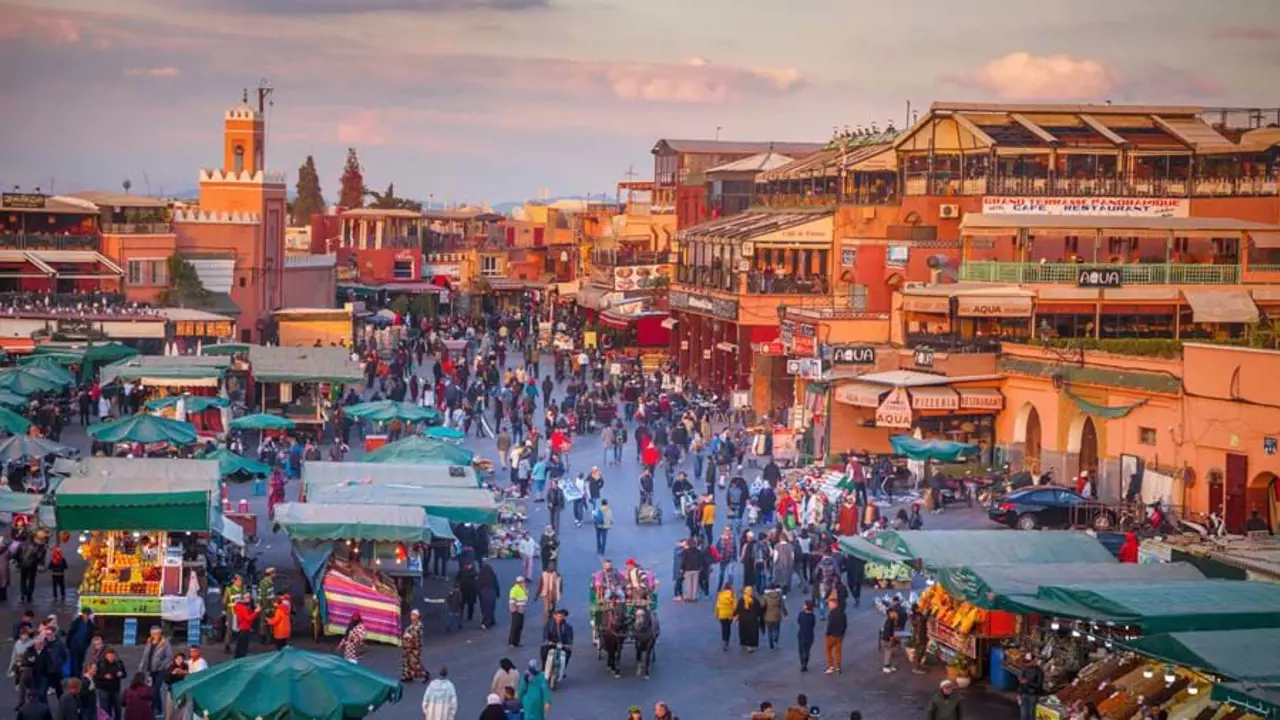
(1051, 507)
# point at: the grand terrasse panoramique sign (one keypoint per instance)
(1088, 206)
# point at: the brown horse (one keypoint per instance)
(612, 633)
(646, 638)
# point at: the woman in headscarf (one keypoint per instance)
(276, 495)
(493, 709)
(411, 650)
(352, 643)
(748, 614)
(1129, 550)
(506, 676)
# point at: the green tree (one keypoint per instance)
(309, 200)
(351, 194)
(387, 200)
(185, 287)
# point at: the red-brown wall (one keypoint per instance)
(691, 206)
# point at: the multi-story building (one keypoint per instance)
(137, 233)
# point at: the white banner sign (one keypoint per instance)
(1088, 206)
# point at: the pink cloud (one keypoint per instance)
(21, 23)
(366, 128)
(1245, 32)
(155, 72)
(696, 81)
(1023, 76)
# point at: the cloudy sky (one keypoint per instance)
(493, 100)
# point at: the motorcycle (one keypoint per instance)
(554, 668)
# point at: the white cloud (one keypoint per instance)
(366, 128)
(155, 72)
(1023, 76)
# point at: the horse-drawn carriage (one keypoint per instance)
(624, 611)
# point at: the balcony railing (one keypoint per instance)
(920, 184)
(1130, 274)
(952, 344)
(40, 241)
(610, 258)
(704, 278)
(141, 228)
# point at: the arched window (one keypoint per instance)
(239, 161)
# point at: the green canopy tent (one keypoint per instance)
(25, 446)
(164, 371)
(455, 504)
(421, 450)
(444, 433)
(935, 549)
(191, 403)
(1241, 655)
(287, 685)
(57, 361)
(140, 495)
(230, 463)
(1156, 608)
(1261, 700)
(440, 528)
(30, 380)
(319, 520)
(388, 410)
(262, 421)
(12, 422)
(990, 586)
(96, 356)
(11, 399)
(225, 349)
(317, 473)
(50, 366)
(147, 429)
(939, 450)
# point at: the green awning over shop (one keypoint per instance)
(124, 494)
(328, 521)
(939, 450)
(19, 502)
(862, 548)
(1261, 700)
(440, 528)
(186, 370)
(324, 474)
(456, 504)
(991, 586)
(1242, 655)
(935, 549)
(303, 365)
(419, 450)
(1156, 608)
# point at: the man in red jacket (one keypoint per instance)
(246, 614)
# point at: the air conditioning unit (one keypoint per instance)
(948, 212)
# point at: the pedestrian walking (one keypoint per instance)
(550, 589)
(837, 625)
(411, 650)
(504, 678)
(489, 590)
(748, 613)
(440, 701)
(517, 603)
(156, 658)
(603, 522)
(726, 607)
(534, 693)
(806, 623)
(775, 609)
(945, 704)
(352, 643)
(139, 700)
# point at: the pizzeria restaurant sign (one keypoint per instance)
(895, 411)
(1087, 206)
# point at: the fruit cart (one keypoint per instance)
(143, 527)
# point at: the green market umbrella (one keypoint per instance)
(95, 356)
(147, 429)
(444, 433)
(230, 463)
(192, 403)
(13, 422)
(422, 450)
(261, 421)
(225, 349)
(290, 684)
(49, 364)
(25, 446)
(29, 381)
(57, 360)
(388, 410)
(8, 398)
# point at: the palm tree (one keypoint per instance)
(388, 201)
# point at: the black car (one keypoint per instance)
(1050, 507)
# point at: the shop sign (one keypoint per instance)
(404, 256)
(1087, 206)
(803, 346)
(451, 271)
(786, 331)
(807, 330)
(806, 368)
(924, 357)
(713, 306)
(848, 257)
(120, 604)
(853, 354)
(996, 307)
(895, 411)
(815, 230)
(638, 276)
(1269, 445)
(23, 201)
(897, 256)
(346, 273)
(772, 349)
(75, 326)
(964, 644)
(1098, 278)
(202, 329)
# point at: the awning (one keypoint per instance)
(1242, 655)
(933, 550)
(1181, 607)
(347, 521)
(1007, 306)
(932, 304)
(229, 530)
(669, 324)
(78, 257)
(726, 347)
(1221, 306)
(617, 322)
(934, 398)
(980, 399)
(440, 528)
(860, 394)
(1265, 240)
(991, 586)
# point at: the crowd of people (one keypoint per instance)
(73, 305)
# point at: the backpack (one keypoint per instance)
(598, 517)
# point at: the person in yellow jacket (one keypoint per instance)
(726, 606)
(517, 602)
(709, 519)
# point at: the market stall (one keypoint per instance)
(352, 554)
(193, 374)
(209, 414)
(455, 504)
(295, 382)
(320, 473)
(383, 414)
(419, 450)
(144, 527)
